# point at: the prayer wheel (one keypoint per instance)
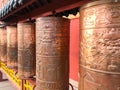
(100, 46)
(3, 45)
(52, 53)
(12, 47)
(26, 50)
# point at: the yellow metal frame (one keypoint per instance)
(21, 84)
(11, 75)
(27, 85)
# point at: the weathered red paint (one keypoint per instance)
(74, 48)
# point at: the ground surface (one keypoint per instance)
(6, 85)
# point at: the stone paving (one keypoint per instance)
(6, 85)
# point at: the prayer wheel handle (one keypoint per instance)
(71, 86)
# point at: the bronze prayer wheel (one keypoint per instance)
(52, 53)
(3, 44)
(12, 47)
(26, 50)
(100, 46)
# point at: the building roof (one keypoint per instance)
(19, 10)
(9, 6)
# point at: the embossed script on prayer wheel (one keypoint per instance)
(3, 44)
(100, 46)
(26, 49)
(52, 53)
(12, 47)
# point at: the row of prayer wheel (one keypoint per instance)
(41, 49)
(99, 66)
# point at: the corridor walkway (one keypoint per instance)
(6, 85)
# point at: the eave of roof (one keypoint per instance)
(19, 10)
(9, 6)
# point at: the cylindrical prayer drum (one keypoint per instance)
(100, 46)
(12, 47)
(26, 50)
(52, 53)
(3, 45)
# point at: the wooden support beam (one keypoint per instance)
(47, 9)
(77, 4)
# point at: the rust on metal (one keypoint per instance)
(3, 45)
(52, 53)
(26, 49)
(100, 46)
(12, 47)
